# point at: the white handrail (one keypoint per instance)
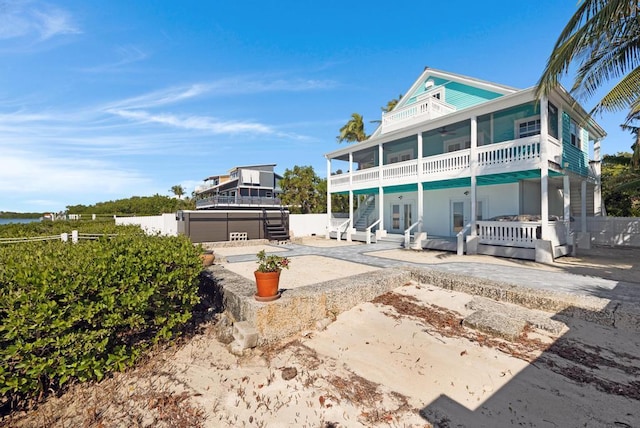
(369, 230)
(407, 235)
(340, 226)
(460, 237)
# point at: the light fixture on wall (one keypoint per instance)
(466, 193)
(400, 197)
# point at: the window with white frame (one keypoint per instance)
(400, 156)
(455, 144)
(576, 139)
(527, 127)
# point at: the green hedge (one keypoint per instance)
(47, 228)
(78, 311)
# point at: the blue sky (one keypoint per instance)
(107, 100)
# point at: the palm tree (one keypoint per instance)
(635, 131)
(391, 104)
(605, 36)
(353, 130)
(177, 190)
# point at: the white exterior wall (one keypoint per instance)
(402, 198)
(165, 224)
(496, 200)
(307, 224)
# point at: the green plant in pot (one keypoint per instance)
(268, 275)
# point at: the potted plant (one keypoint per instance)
(268, 276)
(207, 257)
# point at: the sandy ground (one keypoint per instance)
(403, 360)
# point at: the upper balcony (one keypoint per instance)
(521, 154)
(230, 202)
(426, 107)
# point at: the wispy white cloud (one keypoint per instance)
(126, 55)
(199, 123)
(37, 20)
(222, 87)
(53, 22)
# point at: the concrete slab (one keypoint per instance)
(496, 324)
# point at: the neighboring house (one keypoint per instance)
(488, 166)
(251, 186)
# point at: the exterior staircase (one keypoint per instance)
(363, 220)
(276, 229)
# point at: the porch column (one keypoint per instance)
(350, 196)
(544, 169)
(328, 199)
(583, 206)
(420, 191)
(598, 208)
(566, 195)
(473, 164)
(380, 191)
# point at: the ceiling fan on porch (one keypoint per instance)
(444, 131)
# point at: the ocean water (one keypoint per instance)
(17, 220)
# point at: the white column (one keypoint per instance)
(597, 191)
(566, 194)
(544, 168)
(583, 206)
(380, 188)
(328, 198)
(350, 196)
(473, 164)
(420, 191)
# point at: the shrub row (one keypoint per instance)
(78, 311)
(47, 228)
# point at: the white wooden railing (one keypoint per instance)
(424, 108)
(508, 233)
(460, 239)
(64, 237)
(524, 149)
(365, 175)
(407, 233)
(338, 232)
(400, 170)
(520, 154)
(454, 161)
(369, 230)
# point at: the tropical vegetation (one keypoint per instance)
(76, 312)
(353, 130)
(620, 185)
(135, 205)
(603, 37)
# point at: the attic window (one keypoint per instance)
(437, 93)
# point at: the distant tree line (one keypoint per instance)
(10, 214)
(136, 205)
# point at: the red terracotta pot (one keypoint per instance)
(267, 283)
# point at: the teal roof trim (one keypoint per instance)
(401, 188)
(370, 191)
(447, 184)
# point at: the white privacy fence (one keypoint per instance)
(613, 231)
(165, 224)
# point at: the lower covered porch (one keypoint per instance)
(507, 219)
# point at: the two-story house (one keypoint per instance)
(490, 167)
(251, 186)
